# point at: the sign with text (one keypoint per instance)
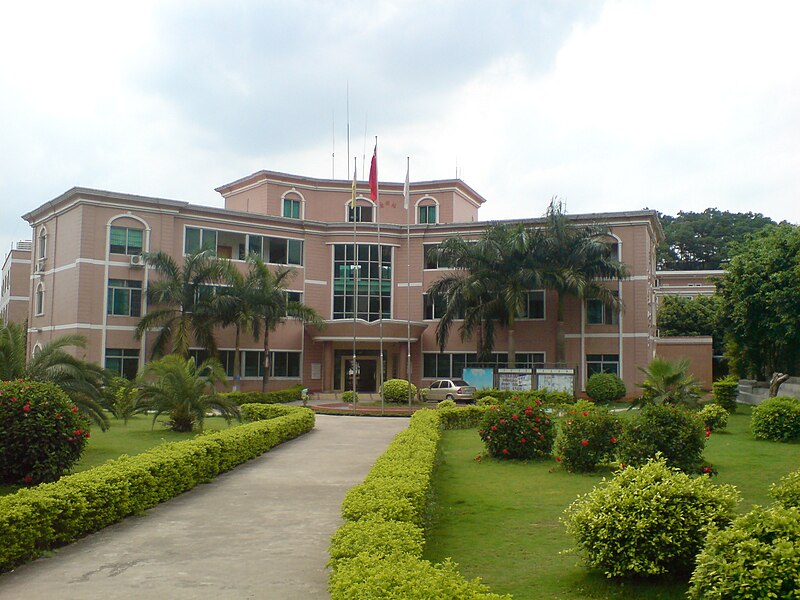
(556, 380)
(515, 380)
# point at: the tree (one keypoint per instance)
(697, 241)
(273, 306)
(185, 391)
(491, 285)
(578, 257)
(761, 303)
(82, 381)
(679, 316)
(182, 299)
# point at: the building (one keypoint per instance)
(88, 278)
(15, 294)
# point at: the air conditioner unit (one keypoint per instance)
(137, 260)
(40, 264)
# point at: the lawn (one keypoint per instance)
(500, 519)
(134, 438)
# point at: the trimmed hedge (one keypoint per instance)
(726, 390)
(605, 387)
(545, 396)
(787, 490)
(777, 419)
(35, 520)
(277, 397)
(376, 553)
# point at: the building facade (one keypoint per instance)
(15, 294)
(87, 277)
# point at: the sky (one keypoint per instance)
(610, 105)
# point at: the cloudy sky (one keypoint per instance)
(611, 105)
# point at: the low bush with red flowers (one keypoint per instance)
(517, 429)
(587, 436)
(43, 433)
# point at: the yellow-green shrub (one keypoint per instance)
(787, 490)
(377, 537)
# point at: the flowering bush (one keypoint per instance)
(726, 390)
(587, 437)
(516, 429)
(396, 390)
(43, 433)
(756, 557)
(605, 387)
(714, 417)
(648, 520)
(677, 433)
(777, 419)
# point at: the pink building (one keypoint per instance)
(87, 277)
(15, 293)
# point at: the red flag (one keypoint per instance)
(373, 175)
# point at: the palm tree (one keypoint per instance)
(81, 380)
(182, 298)
(668, 382)
(494, 276)
(237, 304)
(184, 390)
(577, 259)
(13, 342)
(273, 306)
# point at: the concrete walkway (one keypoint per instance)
(259, 531)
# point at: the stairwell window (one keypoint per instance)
(291, 206)
(124, 297)
(597, 313)
(427, 214)
(125, 240)
(39, 300)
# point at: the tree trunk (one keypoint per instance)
(512, 344)
(265, 374)
(775, 383)
(560, 350)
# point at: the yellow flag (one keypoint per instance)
(353, 195)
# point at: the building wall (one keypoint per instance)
(79, 264)
(696, 349)
(15, 294)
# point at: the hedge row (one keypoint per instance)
(377, 552)
(37, 519)
(278, 397)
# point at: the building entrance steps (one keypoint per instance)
(259, 531)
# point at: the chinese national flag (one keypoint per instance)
(373, 175)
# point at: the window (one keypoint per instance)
(125, 240)
(39, 300)
(427, 214)
(602, 363)
(363, 214)
(123, 361)
(124, 297)
(432, 258)
(597, 313)
(436, 365)
(291, 207)
(434, 306)
(225, 357)
(530, 360)
(199, 239)
(41, 250)
(278, 251)
(281, 364)
(534, 305)
(373, 275)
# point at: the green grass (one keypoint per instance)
(134, 438)
(500, 520)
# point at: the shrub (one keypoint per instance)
(587, 437)
(605, 387)
(369, 577)
(37, 519)
(376, 537)
(462, 417)
(648, 520)
(515, 429)
(349, 396)
(787, 490)
(669, 382)
(447, 404)
(677, 433)
(43, 432)
(777, 419)
(396, 390)
(756, 557)
(289, 394)
(726, 390)
(714, 417)
(487, 401)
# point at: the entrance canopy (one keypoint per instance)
(341, 330)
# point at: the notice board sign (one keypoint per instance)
(480, 378)
(515, 380)
(556, 380)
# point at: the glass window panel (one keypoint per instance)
(192, 243)
(134, 241)
(295, 249)
(118, 240)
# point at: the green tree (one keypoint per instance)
(178, 387)
(698, 241)
(13, 342)
(272, 304)
(669, 382)
(761, 303)
(577, 258)
(491, 283)
(182, 302)
(679, 316)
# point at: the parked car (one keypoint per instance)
(451, 389)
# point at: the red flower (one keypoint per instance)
(707, 470)
(27, 479)
(494, 427)
(478, 458)
(528, 412)
(613, 440)
(522, 441)
(74, 409)
(541, 437)
(515, 417)
(558, 459)
(78, 432)
(502, 421)
(585, 414)
(529, 408)
(26, 408)
(505, 450)
(58, 415)
(538, 402)
(537, 419)
(86, 435)
(584, 442)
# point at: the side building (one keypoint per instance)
(88, 278)
(15, 294)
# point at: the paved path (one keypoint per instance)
(259, 531)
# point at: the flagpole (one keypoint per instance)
(354, 273)
(407, 206)
(373, 179)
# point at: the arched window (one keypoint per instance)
(39, 299)
(36, 349)
(293, 205)
(364, 211)
(427, 210)
(41, 245)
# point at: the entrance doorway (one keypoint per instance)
(366, 376)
